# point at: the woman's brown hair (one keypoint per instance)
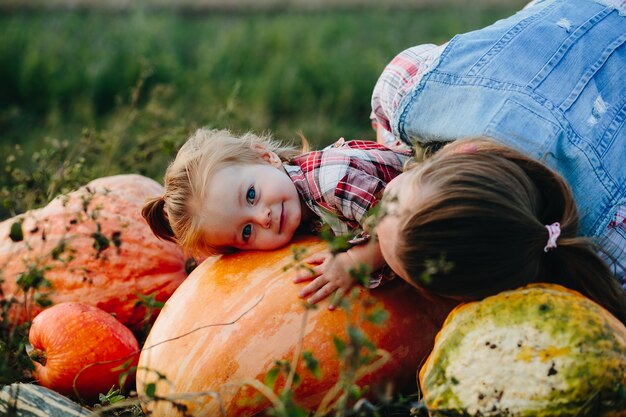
(481, 228)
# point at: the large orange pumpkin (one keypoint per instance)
(94, 247)
(236, 315)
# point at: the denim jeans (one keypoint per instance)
(549, 81)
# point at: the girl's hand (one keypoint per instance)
(329, 274)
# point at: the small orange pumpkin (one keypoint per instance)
(236, 315)
(80, 350)
(92, 246)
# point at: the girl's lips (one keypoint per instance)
(282, 218)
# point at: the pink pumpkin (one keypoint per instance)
(92, 246)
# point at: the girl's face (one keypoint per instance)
(251, 207)
(399, 198)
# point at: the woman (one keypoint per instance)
(548, 81)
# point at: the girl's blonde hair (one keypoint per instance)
(482, 229)
(176, 216)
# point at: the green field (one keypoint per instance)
(130, 86)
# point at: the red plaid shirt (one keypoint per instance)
(343, 181)
(404, 71)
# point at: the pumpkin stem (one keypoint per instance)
(39, 356)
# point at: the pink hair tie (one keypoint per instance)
(554, 231)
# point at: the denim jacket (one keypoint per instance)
(549, 81)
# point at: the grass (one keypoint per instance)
(108, 93)
(284, 72)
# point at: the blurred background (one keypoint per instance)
(99, 87)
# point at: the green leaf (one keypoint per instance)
(339, 244)
(100, 242)
(359, 339)
(116, 398)
(149, 300)
(58, 250)
(340, 345)
(336, 244)
(270, 377)
(296, 379)
(32, 278)
(16, 234)
(378, 316)
(283, 365)
(360, 274)
(312, 364)
(309, 306)
(123, 378)
(111, 397)
(116, 238)
(433, 267)
(151, 390)
(42, 300)
(298, 252)
(355, 391)
(123, 367)
(295, 411)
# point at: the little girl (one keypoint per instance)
(479, 217)
(225, 193)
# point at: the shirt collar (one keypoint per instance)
(302, 185)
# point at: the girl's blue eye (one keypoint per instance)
(250, 195)
(247, 231)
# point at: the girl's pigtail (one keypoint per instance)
(304, 142)
(154, 213)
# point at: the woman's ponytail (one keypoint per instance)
(490, 214)
(154, 213)
(574, 263)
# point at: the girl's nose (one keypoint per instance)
(264, 217)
